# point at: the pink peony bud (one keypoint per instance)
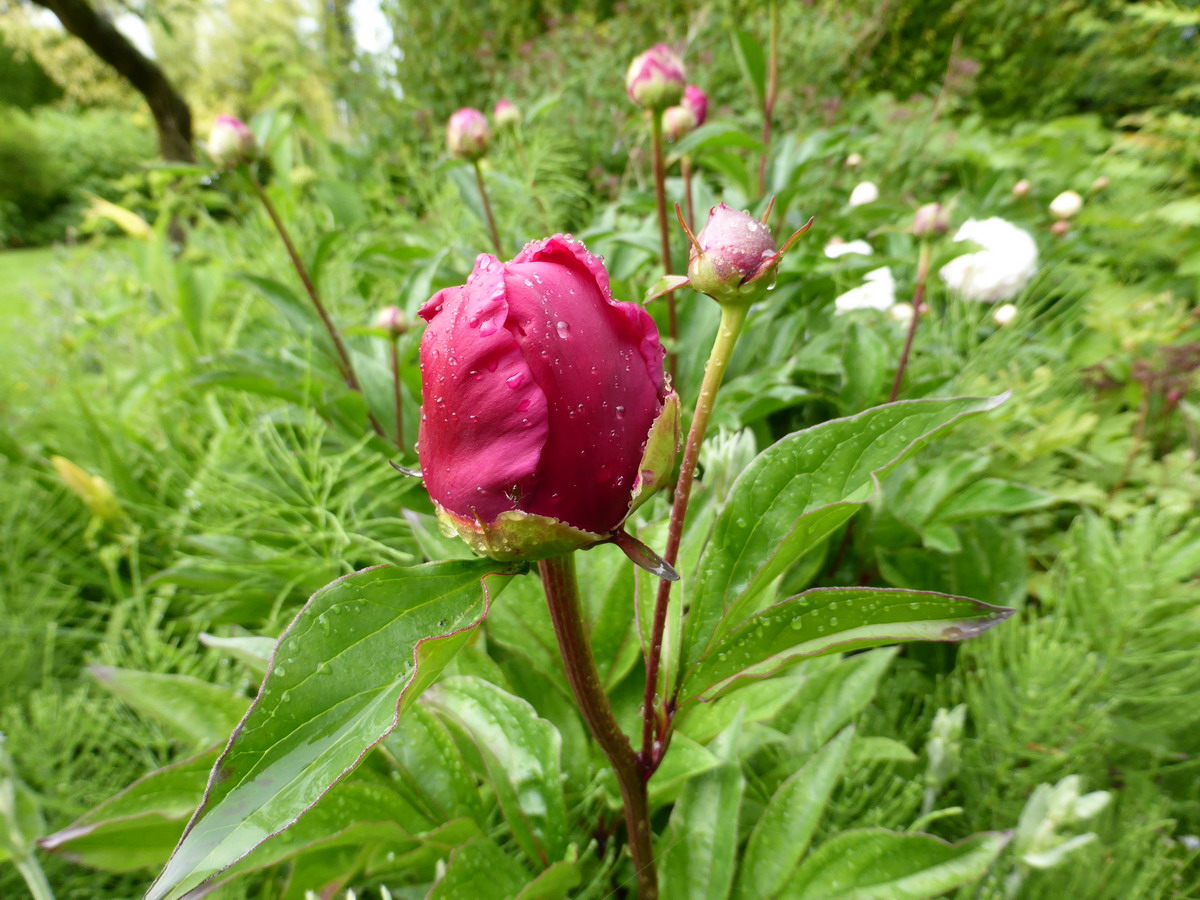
(391, 319)
(1100, 183)
(231, 143)
(467, 134)
(656, 78)
(1022, 188)
(678, 121)
(1060, 228)
(932, 218)
(547, 418)
(697, 101)
(733, 258)
(506, 114)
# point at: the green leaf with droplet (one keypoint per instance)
(358, 654)
(832, 620)
(794, 495)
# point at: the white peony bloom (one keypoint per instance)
(1000, 270)
(837, 247)
(1004, 314)
(901, 312)
(1066, 205)
(877, 292)
(864, 192)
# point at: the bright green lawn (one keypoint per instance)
(22, 273)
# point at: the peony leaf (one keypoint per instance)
(829, 620)
(358, 654)
(794, 495)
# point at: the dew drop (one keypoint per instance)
(563, 329)
(515, 381)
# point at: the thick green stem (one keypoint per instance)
(660, 202)
(562, 597)
(918, 302)
(487, 210)
(344, 363)
(654, 746)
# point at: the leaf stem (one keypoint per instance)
(918, 303)
(344, 363)
(487, 210)
(562, 597)
(733, 317)
(660, 203)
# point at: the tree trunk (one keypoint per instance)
(171, 114)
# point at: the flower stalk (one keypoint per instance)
(689, 209)
(923, 259)
(655, 728)
(397, 392)
(562, 597)
(487, 209)
(660, 202)
(344, 362)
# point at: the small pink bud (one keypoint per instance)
(932, 218)
(391, 319)
(231, 143)
(506, 114)
(1060, 228)
(1022, 188)
(734, 257)
(467, 134)
(656, 78)
(1100, 183)
(678, 121)
(697, 101)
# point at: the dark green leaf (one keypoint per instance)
(828, 620)
(753, 61)
(357, 655)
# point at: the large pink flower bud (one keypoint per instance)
(467, 134)
(656, 78)
(231, 143)
(734, 258)
(697, 101)
(546, 416)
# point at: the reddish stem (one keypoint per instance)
(918, 302)
(660, 202)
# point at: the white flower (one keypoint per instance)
(901, 312)
(999, 271)
(1004, 314)
(854, 160)
(837, 247)
(877, 292)
(1066, 205)
(864, 192)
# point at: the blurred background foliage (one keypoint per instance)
(183, 375)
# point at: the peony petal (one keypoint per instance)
(599, 364)
(483, 417)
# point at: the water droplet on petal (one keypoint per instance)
(563, 329)
(515, 381)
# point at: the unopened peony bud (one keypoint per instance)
(547, 417)
(656, 78)
(678, 121)
(1066, 205)
(1022, 188)
(1100, 183)
(932, 218)
(231, 143)
(467, 134)
(391, 319)
(733, 258)
(854, 160)
(506, 114)
(1060, 228)
(864, 192)
(93, 490)
(697, 101)
(1005, 314)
